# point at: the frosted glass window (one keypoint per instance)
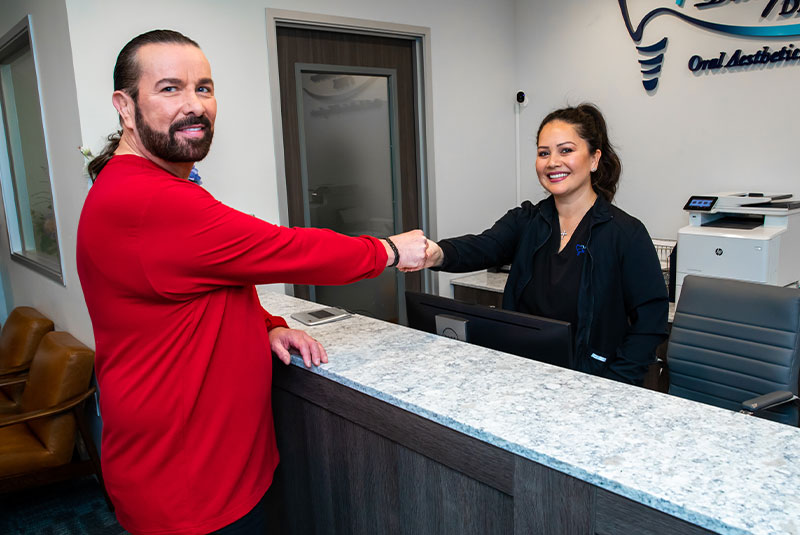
(24, 168)
(349, 175)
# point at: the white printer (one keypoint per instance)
(745, 236)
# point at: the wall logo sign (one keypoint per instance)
(767, 19)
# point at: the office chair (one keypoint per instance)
(38, 438)
(736, 345)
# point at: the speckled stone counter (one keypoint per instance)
(484, 280)
(717, 469)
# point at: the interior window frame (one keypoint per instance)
(20, 39)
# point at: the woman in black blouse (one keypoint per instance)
(574, 256)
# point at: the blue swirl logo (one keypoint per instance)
(653, 55)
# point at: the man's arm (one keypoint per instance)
(191, 243)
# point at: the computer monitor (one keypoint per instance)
(543, 339)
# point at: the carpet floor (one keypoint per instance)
(73, 507)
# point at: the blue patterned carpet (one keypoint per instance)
(73, 507)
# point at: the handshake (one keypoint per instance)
(415, 250)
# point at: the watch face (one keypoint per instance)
(700, 203)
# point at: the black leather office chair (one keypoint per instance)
(732, 341)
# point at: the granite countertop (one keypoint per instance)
(718, 469)
(484, 280)
(496, 282)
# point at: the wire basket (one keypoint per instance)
(664, 249)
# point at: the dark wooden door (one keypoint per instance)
(303, 50)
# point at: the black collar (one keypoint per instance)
(600, 210)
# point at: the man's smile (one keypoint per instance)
(191, 127)
(193, 131)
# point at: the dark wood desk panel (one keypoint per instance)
(353, 464)
(477, 296)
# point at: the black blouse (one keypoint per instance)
(553, 289)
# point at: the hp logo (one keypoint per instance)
(718, 251)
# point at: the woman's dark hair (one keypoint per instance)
(591, 127)
(126, 78)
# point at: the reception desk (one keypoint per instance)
(486, 288)
(407, 432)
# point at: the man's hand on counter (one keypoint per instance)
(282, 339)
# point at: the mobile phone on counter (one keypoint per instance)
(323, 315)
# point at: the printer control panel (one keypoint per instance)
(700, 203)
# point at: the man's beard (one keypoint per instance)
(170, 149)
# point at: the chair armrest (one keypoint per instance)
(779, 397)
(9, 372)
(9, 381)
(64, 406)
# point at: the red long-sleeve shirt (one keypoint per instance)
(183, 360)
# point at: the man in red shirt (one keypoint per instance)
(182, 343)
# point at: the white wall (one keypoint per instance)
(697, 133)
(62, 303)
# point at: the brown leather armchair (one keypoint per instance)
(37, 437)
(20, 337)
